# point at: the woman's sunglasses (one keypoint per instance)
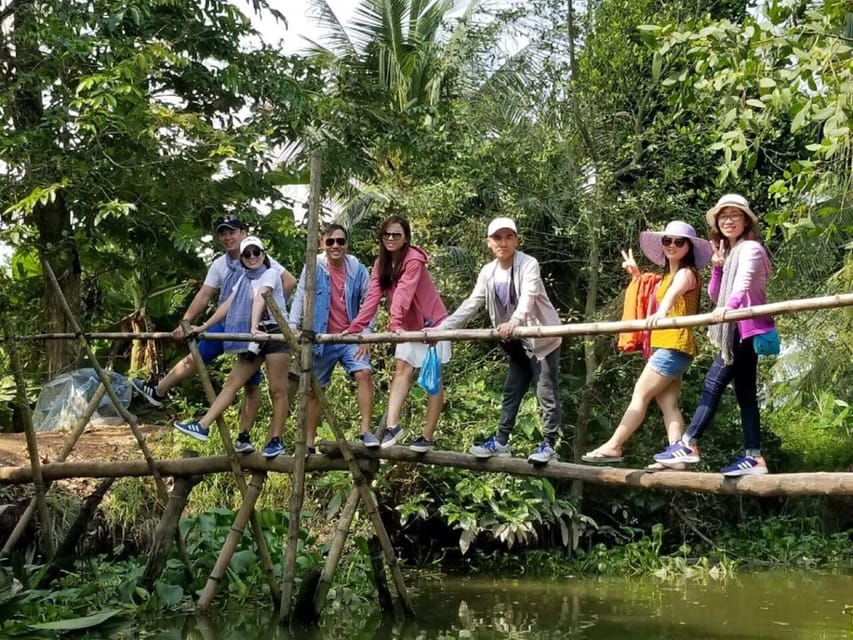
(331, 242)
(391, 235)
(678, 242)
(251, 253)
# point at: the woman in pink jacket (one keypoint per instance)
(739, 278)
(401, 276)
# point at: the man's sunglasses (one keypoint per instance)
(331, 242)
(252, 252)
(678, 242)
(391, 235)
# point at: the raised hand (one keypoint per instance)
(718, 258)
(629, 264)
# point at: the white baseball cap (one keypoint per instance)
(501, 223)
(251, 241)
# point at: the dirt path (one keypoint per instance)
(96, 443)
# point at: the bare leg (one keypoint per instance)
(434, 406)
(364, 380)
(277, 367)
(648, 386)
(177, 374)
(251, 406)
(399, 390)
(668, 402)
(312, 418)
(241, 372)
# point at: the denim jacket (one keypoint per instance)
(355, 289)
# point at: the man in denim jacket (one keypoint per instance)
(342, 283)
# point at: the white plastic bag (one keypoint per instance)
(63, 400)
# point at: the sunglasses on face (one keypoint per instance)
(331, 242)
(391, 235)
(252, 252)
(678, 242)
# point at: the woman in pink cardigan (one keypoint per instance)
(739, 278)
(400, 275)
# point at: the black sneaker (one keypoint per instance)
(148, 391)
(310, 450)
(244, 443)
(391, 436)
(422, 445)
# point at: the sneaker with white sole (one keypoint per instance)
(369, 440)
(745, 466)
(543, 455)
(422, 445)
(149, 392)
(491, 448)
(678, 453)
(194, 429)
(391, 436)
(243, 444)
(273, 448)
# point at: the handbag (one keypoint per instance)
(430, 376)
(766, 344)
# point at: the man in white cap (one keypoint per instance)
(514, 294)
(222, 275)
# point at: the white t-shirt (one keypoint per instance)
(270, 278)
(218, 272)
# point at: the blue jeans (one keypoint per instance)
(743, 371)
(524, 371)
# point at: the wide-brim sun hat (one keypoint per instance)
(650, 243)
(729, 200)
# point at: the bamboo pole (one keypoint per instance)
(247, 509)
(170, 467)
(359, 479)
(335, 551)
(297, 492)
(32, 446)
(774, 484)
(131, 420)
(576, 329)
(70, 441)
(257, 531)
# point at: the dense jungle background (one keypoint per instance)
(129, 126)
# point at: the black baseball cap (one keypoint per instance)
(230, 222)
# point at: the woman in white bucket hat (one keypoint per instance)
(683, 254)
(738, 279)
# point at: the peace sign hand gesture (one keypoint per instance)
(719, 255)
(629, 264)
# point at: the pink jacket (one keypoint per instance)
(750, 287)
(413, 299)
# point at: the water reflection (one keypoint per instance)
(753, 607)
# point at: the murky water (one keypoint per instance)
(750, 607)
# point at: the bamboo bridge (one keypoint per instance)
(338, 455)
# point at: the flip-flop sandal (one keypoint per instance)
(657, 466)
(595, 457)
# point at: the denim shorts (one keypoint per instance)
(332, 355)
(212, 349)
(670, 363)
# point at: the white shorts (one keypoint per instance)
(415, 352)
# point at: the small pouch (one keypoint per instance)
(766, 344)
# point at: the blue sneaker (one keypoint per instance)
(369, 440)
(243, 443)
(391, 436)
(149, 392)
(678, 453)
(273, 448)
(543, 455)
(193, 429)
(745, 466)
(490, 448)
(422, 445)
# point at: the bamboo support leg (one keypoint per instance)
(237, 471)
(335, 551)
(32, 445)
(231, 542)
(70, 441)
(359, 479)
(380, 580)
(131, 420)
(168, 526)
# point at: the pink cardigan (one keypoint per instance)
(750, 287)
(413, 299)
